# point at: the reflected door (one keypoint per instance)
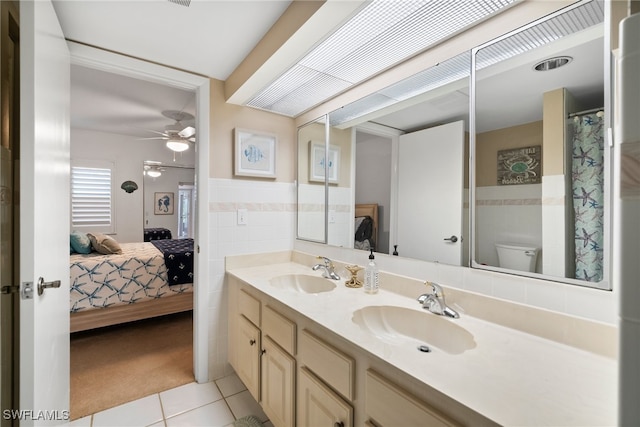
(430, 175)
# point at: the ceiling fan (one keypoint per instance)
(177, 135)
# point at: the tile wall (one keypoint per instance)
(270, 217)
(508, 214)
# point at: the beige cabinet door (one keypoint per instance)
(278, 384)
(247, 343)
(319, 406)
(390, 406)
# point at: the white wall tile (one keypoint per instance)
(271, 221)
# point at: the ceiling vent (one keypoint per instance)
(552, 63)
(185, 3)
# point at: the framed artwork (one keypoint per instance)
(317, 162)
(520, 166)
(163, 203)
(255, 154)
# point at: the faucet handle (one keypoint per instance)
(435, 289)
(327, 261)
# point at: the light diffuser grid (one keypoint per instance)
(383, 34)
(578, 19)
(458, 67)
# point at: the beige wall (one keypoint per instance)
(489, 143)
(342, 138)
(224, 118)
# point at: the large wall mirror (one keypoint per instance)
(169, 200)
(391, 190)
(541, 186)
(513, 112)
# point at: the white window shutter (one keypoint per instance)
(91, 198)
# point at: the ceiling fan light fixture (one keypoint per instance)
(154, 173)
(177, 145)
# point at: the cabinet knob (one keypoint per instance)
(263, 351)
(252, 342)
(338, 424)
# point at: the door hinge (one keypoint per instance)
(10, 289)
(25, 293)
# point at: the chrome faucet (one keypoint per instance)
(328, 268)
(434, 301)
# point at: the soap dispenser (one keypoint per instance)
(371, 283)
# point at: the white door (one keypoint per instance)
(430, 190)
(44, 213)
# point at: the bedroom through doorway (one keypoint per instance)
(129, 313)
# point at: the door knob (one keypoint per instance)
(451, 239)
(42, 285)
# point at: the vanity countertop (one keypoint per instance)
(510, 377)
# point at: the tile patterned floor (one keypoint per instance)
(217, 403)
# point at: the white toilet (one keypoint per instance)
(517, 257)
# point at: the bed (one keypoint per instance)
(366, 226)
(156, 234)
(136, 284)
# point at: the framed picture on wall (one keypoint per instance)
(317, 162)
(520, 165)
(255, 153)
(163, 203)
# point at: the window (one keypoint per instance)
(186, 209)
(92, 197)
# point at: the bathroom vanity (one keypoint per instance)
(315, 352)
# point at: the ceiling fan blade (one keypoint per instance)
(153, 137)
(192, 139)
(187, 132)
(157, 132)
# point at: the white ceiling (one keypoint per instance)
(210, 37)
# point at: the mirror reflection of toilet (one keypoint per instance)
(517, 257)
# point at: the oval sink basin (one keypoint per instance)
(303, 283)
(396, 325)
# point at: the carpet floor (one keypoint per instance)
(114, 365)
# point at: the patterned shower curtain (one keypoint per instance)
(588, 187)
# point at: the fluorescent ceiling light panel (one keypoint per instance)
(381, 35)
(578, 19)
(459, 67)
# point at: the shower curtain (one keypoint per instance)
(587, 177)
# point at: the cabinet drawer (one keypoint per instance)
(249, 307)
(388, 405)
(333, 366)
(280, 329)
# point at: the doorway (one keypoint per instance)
(9, 205)
(114, 63)
(125, 151)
